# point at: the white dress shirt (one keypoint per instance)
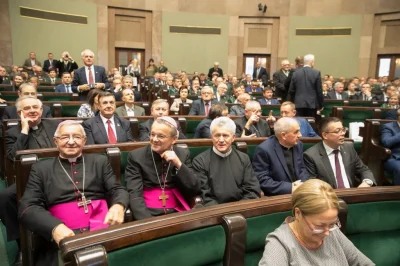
(338, 96)
(112, 125)
(129, 111)
(87, 73)
(331, 156)
(68, 88)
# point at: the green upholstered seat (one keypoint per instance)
(124, 161)
(361, 103)
(45, 89)
(350, 116)
(374, 228)
(194, 151)
(257, 230)
(357, 146)
(328, 107)
(191, 127)
(57, 98)
(69, 111)
(266, 108)
(9, 97)
(204, 246)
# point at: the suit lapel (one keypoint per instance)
(118, 129)
(85, 81)
(279, 154)
(124, 112)
(49, 132)
(101, 127)
(346, 163)
(327, 165)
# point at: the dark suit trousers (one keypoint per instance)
(9, 212)
(306, 112)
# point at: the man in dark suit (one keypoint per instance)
(89, 76)
(32, 133)
(337, 93)
(251, 124)
(203, 105)
(66, 83)
(52, 78)
(390, 138)
(49, 63)
(254, 87)
(215, 69)
(106, 127)
(66, 64)
(159, 108)
(299, 63)
(260, 73)
(288, 109)
(17, 81)
(31, 63)
(389, 91)
(279, 78)
(335, 161)
(129, 109)
(268, 97)
(306, 89)
(278, 161)
(366, 94)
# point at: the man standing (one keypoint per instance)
(279, 78)
(337, 93)
(89, 77)
(306, 89)
(159, 177)
(66, 83)
(129, 109)
(202, 106)
(335, 161)
(260, 73)
(66, 64)
(68, 195)
(226, 174)
(49, 63)
(106, 127)
(299, 63)
(31, 63)
(278, 161)
(159, 108)
(251, 124)
(215, 69)
(162, 68)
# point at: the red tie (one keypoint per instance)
(111, 136)
(207, 109)
(339, 178)
(91, 79)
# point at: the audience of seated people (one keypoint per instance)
(239, 108)
(288, 109)
(65, 85)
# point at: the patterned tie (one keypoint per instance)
(91, 79)
(339, 178)
(111, 136)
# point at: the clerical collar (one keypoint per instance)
(285, 148)
(223, 155)
(35, 128)
(72, 160)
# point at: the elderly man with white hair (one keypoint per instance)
(89, 76)
(278, 161)
(279, 78)
(338, 94)
(225, 173)
(305, 89)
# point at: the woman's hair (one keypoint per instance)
(91, 96)
(314, 197)
(151, 60)
(183, 88)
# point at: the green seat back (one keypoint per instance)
(191, 128)
(194, 151)
(350, 116)
(124, 161)
(250, 151)
(357, 146)
(276, 109)
(204, 246)
(374, 228)
(257, 230)
(306, 146)
(9, 98)
(328, 108)
(69, 111)
(45, 89)
(361, 103)
(57, 98)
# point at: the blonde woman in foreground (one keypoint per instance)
(312, 236)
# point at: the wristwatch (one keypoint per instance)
(369, 182)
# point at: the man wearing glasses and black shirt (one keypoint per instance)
(335, 161)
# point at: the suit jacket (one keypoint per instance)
(318, 164)
(176, 103)
(71, 66)
(96, 131)
(391, 115)
(121, 111)
(47, 65)
(248, 89)
(264, 101)
(279, 79)
(237, 110)
(261, 128)
(263, 75)
(360, 97)
(15, 141)
(100, 76)
(61, 88)
(198, 107)
(271, 169)
(390, 138)
(305, 89)
(28, 63)
(332, 95)
(212, 70)
(305, 128)
(203, 129)
(145, 129)
(118, 95)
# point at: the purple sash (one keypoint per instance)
(74, 217)
(175, 199)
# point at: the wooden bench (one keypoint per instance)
(177, 238)
(43, 96)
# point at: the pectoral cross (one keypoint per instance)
(163, 197)
(85, 203)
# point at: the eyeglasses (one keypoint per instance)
(206, 93)
(335, 226)
(160, 137)
(74, 138)
(339, 131)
